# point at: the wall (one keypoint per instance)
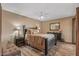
(11, 20)
(65, 26)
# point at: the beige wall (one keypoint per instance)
(11, 20)
(65, 26)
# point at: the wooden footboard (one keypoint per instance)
(37, 42)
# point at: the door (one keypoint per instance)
(77, 31)
(0, 26)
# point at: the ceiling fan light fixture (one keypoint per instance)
(41, 17)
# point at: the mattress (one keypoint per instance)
(48, 36)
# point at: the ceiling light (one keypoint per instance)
(41, 17)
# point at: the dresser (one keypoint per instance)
(57, 35)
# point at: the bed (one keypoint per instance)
(42, 42)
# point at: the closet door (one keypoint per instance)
(77, 31)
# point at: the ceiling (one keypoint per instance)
(49, 10)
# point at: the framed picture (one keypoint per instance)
(54, 26)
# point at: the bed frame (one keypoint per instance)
(38, 43)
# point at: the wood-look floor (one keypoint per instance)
(62, 49)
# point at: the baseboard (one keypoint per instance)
(69, 42)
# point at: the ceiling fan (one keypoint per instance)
(43, 15)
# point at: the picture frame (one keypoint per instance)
(54, 26)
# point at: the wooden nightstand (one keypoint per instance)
(19, 42)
